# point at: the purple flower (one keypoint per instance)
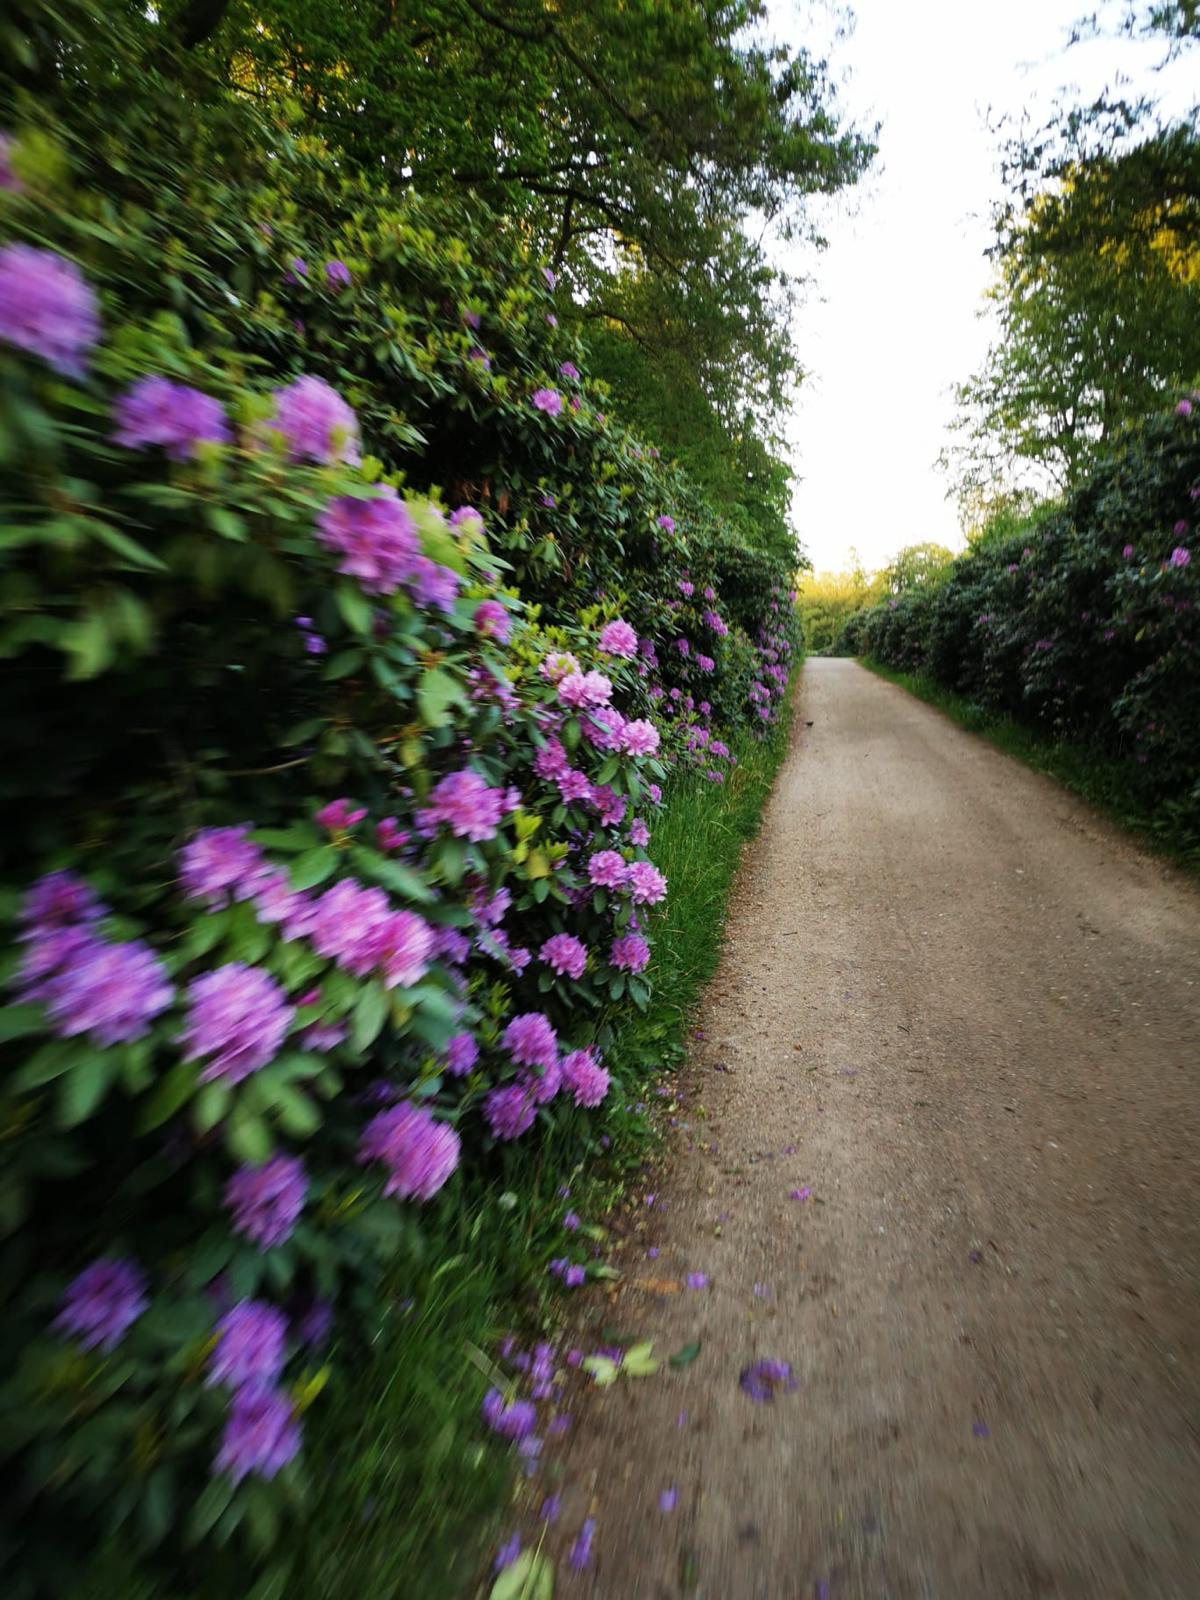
(581, 1550)
(513, 1421)
(103, 1302)
(654, 790)
(507, 1553)
(339, 815)
(316, 423)
(646, 883)
(480, 357)
(629, 953)
(1180, 557)
(462, 1053)
(492, 621)
(58, 900)
(531, 1041)
(419, 1152)
(568, 369)
(570, 1222)
(1184, 408)
(548, 400)
(668, 523)
(639, 833)
(250, 1347)
(575, 1276)
(267, 1200)
(565, 954)
(111, 992)
(376, 538)
(239, 1016)
(389, 835)
(697, 1280)
(639, 738)
(608, 870)
(762, 1379)
(403, 948)
(337, 275)
(465, 803)
(220, 865)
(550, 276)
(668, 1498)
(617, 638)
(47, 308)
(179, 419)
(297, 269)
(509, 1111)
(584, 1077)
(261, 1433)
(551, 1506)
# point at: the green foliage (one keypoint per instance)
(1082, 622)
(186, 648)
(826, 601)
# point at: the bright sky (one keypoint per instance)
(891, 322)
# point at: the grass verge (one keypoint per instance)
(1100, 779)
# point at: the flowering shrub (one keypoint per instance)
(1087, 621)
(332, 808)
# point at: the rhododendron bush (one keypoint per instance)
(1086, 621)
(334, 742)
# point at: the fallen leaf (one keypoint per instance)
(531, 1577)
(639, 1363)
(603, 1370)
(688, 1354)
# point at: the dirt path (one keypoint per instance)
(974, 1014)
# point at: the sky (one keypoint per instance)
(891, 322)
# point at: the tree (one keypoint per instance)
(632, 138)
(917, 566)
(1098, 301)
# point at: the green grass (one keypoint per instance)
(1100, 779)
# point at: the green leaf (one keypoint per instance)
(344, 663)
(452, 859)
(249, 1139)
(17, 1021)
(368, 1017)
(90, 643)
(530, 1577)
(175, 1090)
(213, 1501)
(211, 1106)
(313, 867)
(436, 693)
(392, 875)
(639, 1362)
(83, 1088)
(684, 1356)
(355, 610)
(603, 1370)
(295, 1112)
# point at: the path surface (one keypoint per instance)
(975, 1013)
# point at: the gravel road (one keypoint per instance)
(966, 1014)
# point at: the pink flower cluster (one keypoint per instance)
(419, 1152)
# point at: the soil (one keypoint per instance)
(965, 1013)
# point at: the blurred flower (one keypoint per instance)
(103, 1302)
(47, 308)
(179, 419)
